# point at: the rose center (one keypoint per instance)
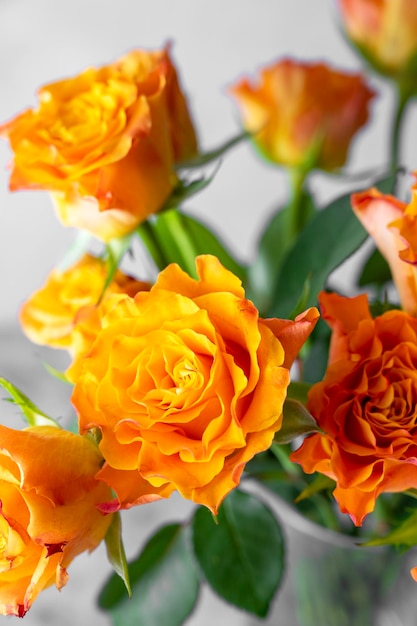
(186, 376)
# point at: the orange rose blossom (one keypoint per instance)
(105, 143)
(186, 384)
(366, 405)
(303, 114)
(384, 30)
(48, 510)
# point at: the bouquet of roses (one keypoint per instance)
(203, 371)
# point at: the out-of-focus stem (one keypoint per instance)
(401, 105)
(149, 239)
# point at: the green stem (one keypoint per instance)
(183, 240)
(401, 105)
(299, 210)
(280, 452)
(146, 233)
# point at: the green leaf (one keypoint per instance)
(174, 240)
(405, 535)
(180, 238)
(242, 556)
(412, 493)
(298, 391)
(387, 184)
(208, 243)
(264, 270)
(203, 159)
(315, 363)
(116, 552)
(31, 413)
(375, 271)
(164, 583)
(296, 421)
(327, 240)
(302, 302)
(272, 249)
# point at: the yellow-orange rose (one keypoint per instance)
(48, 512)
(49, 316)
(366, 404)
(186, 384)
(303, 112)
(384, 30)
(393, 226)
(105, 142)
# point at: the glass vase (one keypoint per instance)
(331, 581)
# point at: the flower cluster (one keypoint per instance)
(186, 376)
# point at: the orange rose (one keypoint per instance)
(384, 30)
(48, 511)
(303, 111)
(393, 226)
(186, 384)
(49, 316)
(366, 405)
(105, 142)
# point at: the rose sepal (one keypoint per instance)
(296, 422)
(116, 552)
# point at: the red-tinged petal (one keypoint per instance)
(314, 455)
(130, 488)
(343, 316)
(293, 334)
(377, 212)
(355, 503)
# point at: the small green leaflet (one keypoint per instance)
(31, 413)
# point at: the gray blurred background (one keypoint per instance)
(214, 43)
